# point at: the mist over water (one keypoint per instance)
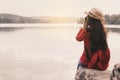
(45, 53)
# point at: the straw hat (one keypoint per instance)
(95, 13)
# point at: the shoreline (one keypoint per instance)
(49, 25)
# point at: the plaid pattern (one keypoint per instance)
(98, 60)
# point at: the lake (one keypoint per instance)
(46, 53)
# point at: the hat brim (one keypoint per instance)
(93, 16)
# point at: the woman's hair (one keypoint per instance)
(98, 35)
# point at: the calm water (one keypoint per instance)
(45, 53)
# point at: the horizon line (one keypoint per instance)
(50, 15)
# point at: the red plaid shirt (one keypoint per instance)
(98, 60)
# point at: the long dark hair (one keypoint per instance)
(98, 34)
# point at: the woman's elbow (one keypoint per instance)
(78, 39)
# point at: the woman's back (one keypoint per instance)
(96, 54)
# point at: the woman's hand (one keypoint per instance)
(85, 22)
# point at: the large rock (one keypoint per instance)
(115, 72)
(92, 74)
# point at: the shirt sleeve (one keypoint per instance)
(81, 34)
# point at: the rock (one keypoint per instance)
(92, 74)
(115, 72)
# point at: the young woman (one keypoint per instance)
(96, 54)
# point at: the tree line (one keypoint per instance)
(112, 19)
(109, 19)
(11, 18)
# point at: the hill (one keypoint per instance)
(53, 19)
(11, 18)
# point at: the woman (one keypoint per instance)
(96, 54)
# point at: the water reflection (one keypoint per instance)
(34, 53)
(11, 29)
(116, 30)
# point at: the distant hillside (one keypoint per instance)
(112, 19)
(58, 19)
(10, 18)
(109, 19)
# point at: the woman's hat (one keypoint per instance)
(95, 13)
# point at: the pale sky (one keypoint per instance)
(57, 7)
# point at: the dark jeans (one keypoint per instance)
(80, 64)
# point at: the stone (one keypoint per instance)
(92, 74)
(115, 72)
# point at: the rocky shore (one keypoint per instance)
(92, 74)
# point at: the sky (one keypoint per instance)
(66, 8)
